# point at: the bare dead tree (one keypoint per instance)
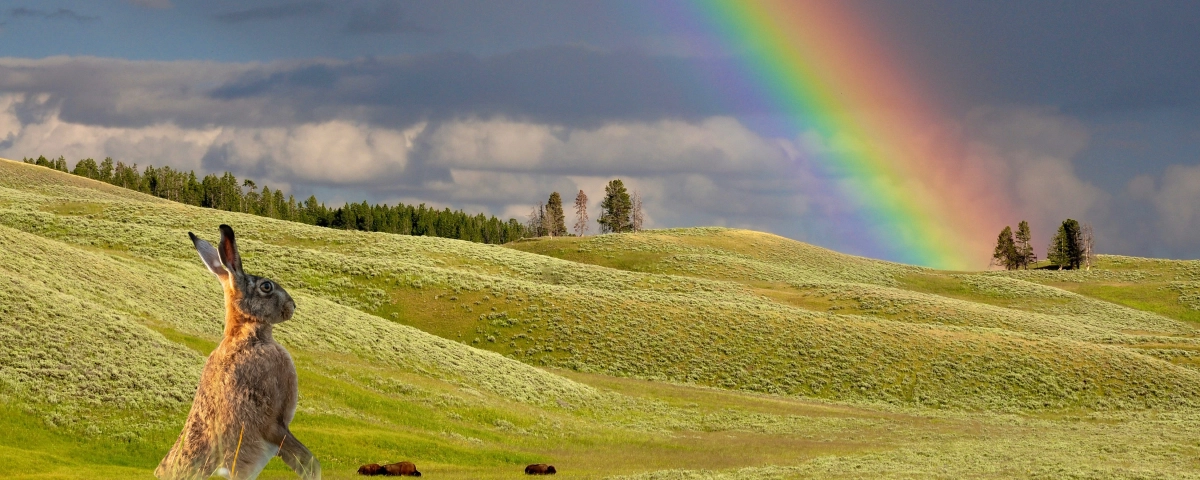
(1087, 241)
(581, 216)
(547, 225)
(534, 224)
(635, 212)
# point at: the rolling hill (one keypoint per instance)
(667, 354)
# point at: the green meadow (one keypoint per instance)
(667, 354)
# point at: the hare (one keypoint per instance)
(248, 390)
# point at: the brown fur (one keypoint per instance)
(540, 469)
(248, 389)
(401, 469)
(370, 469)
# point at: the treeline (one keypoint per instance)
(224, 192)
(1072, 247)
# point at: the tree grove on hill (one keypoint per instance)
(1005, 253)
(581, 215)
(615, 208)
(1065, 250)
(555, 216)
(1013, 252)
(225, 193)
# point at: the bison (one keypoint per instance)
(540, 469)
(402, 469)
(370, 469)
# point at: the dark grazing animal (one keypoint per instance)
(540, 469)
(401, 469)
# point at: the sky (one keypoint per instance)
(1087, 110)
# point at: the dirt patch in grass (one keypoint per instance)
(808, 299)
(569, 249)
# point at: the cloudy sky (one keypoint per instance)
(1090, 109)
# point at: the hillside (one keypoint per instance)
(688, 353)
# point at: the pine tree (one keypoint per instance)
(87, 168)
(1056, 251)
(1064, 250)
(250, 205)
(581, 216)
(615, 208)
(349, 218)
(1025, 253)
(555, 217)
(283, 210)
(106, 170)
(635, 214)
(126, 176)
(266, 206)
(1005, 253)
(1074, 242)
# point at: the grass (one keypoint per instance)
(1150, 297)
(688, 353)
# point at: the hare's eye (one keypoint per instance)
(266, 286)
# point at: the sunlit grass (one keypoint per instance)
(700, 353)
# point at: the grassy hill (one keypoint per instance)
(692, 353)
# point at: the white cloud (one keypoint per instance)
(1030, 153)
(713, 145)
(1177, 202)
(331, 153)
(162, 144)
(713, 171)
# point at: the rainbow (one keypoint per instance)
(907, 190)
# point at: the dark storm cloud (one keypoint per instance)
(155, 4)
(58, 14)
(560, 84)
(121, 93)
(563, 85)
(383, 18)
(1084, 56)
(271, 12)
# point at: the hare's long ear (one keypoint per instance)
(210, 257)
(229, 251)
